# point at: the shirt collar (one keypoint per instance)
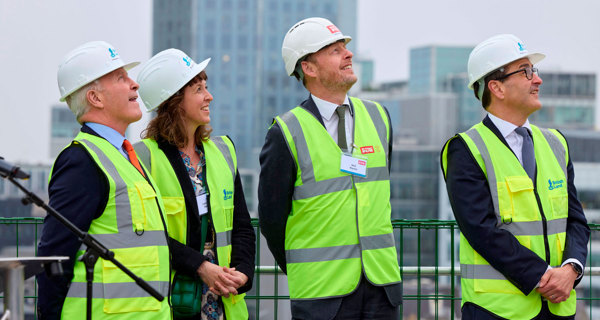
(111, 135)
(506, 127)
(326, 108)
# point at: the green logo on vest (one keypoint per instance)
(227, 194)
(555, 184)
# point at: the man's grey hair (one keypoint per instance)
(77, 101)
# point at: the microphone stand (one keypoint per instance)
(94, 250)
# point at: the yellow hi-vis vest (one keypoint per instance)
(132, 227)
(340, 224)
(536, 225)
(221, 167)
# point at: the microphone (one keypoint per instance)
(9, 170)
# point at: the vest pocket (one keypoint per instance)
(519, 194)
(121, 294)
(560, 205)
(175, 209)
(492, 281)
(228, 213)
(146, 216)
(560, 246)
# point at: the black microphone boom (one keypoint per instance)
(9, 170)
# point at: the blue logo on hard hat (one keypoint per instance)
(521, 46)
(227, 194)
(187, 61)
(113, 53)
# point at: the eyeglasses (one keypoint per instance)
(529, 71)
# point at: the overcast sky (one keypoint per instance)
(35, 35)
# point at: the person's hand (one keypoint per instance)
(556, 284)
(237, 277)
(217, 279)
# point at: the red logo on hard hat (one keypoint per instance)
(333, 29)
(365, 150)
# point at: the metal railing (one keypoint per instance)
(427, 249)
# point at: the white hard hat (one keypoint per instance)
(87, 63)
(308, 36)
(164, 74)
(497, 52)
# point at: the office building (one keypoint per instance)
(63, 128)
(246, 75)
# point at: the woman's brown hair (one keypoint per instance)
(169, 122)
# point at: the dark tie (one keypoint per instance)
(341, 112)
(527, 154)
(132, 156)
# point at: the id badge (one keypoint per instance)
(355, 165)
(202, 201)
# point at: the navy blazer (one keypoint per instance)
(473, 209)
(275, 190)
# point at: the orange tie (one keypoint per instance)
(132, 156)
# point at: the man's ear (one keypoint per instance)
(95, 98)
(497, 89)
(309, 68)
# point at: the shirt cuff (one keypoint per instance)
(577, 262)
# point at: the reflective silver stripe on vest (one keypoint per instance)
(489, 168)
(126, 237)
(379, 241)
(528, 228)
(224, 238)
(122, 203)
(219, 141)
(379, 125)
(480, 271)
(129, 240)
(535, 228)
(317, 188)
(115, 290)
(322, 254)
(142, 151)
(304, 160)
(557, 148)
(340, 252)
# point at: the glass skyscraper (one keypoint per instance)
(246, 75)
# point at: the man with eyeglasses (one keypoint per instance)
(523, 232)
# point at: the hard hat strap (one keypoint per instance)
(298, 70)
(481, 88)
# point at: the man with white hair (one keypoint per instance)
(98, 184)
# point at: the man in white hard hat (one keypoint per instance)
(524, 235)
(98, 184)
(324, 192)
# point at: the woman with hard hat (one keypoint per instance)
(212, 240)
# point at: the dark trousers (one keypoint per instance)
(367, 302)
(474, 312)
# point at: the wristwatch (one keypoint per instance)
(576, 268)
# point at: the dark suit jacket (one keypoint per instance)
(243, 238)
(275, 190)
(471, 202)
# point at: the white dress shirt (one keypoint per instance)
(331, 119)
(507, 129)
(515, 142)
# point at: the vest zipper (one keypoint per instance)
(544, 224)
